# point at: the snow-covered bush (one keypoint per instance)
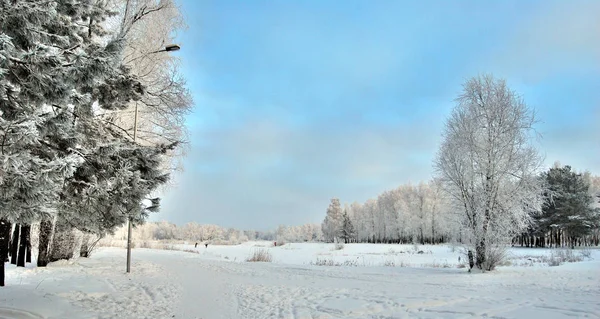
(436, 264)
(331, 262)
(586, 253)
(393, 263)
(260, 255)
(560, 256)
(496, 256)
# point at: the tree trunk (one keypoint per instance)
(63, 242)
(83, 251)
(4, 247)
(14, 245)
(44, 245)
(28, 242)
(480, 255)
(28, 254)
(23, 245)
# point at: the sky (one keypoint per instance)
(297, 102)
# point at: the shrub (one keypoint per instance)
(393, 263)
(586, 253)
(352, 263)
(389, 263)
(436, 264)
(260, 255)
(560, 256)
(324, 262)
(145, 244)
(331, 262)
(496, 256)
(280, 243)
(338, 246)
(153, 245)
(416, 247)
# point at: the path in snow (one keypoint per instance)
(214, 289)
(171, 284)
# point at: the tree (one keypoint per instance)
(488, 166)
(333, 221)
(347, 232)
(149, 26)
(39, 68)
(60, 67)
(568, 209)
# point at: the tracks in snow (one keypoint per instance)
(275, 291)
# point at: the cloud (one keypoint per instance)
(298, 102)
(558, 37)
(265, 172)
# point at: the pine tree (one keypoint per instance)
(111, 186)
(569, 205)
(58, 66)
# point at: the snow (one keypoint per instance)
(216, 282)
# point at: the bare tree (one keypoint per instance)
(488, 166)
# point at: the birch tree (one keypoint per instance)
(150, 26)
(489, 167)
(333, 221)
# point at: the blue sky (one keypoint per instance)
(301, 101)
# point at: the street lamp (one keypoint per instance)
(172, 47)
(168, 48)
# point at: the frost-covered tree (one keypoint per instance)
(405, 214)
(60, 68)
(488, 166)
(333, 221)
(347, 232)
(41, 67)
(113, 186)
(149, 26)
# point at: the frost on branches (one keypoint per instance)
(489, 168)
(406, 214)
(60, 68)
(333, 221)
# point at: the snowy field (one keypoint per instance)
(366, 281)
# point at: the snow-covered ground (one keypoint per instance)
(383, 281)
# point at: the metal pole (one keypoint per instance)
(135, 118)
(129, 245)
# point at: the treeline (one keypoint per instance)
(213, 234)
(422, 214)
(407, 214)
(76, 160)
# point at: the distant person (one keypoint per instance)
(196, 246)
(206, 245)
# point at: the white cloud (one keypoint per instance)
(561, 36)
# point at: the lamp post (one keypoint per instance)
(168, 48)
